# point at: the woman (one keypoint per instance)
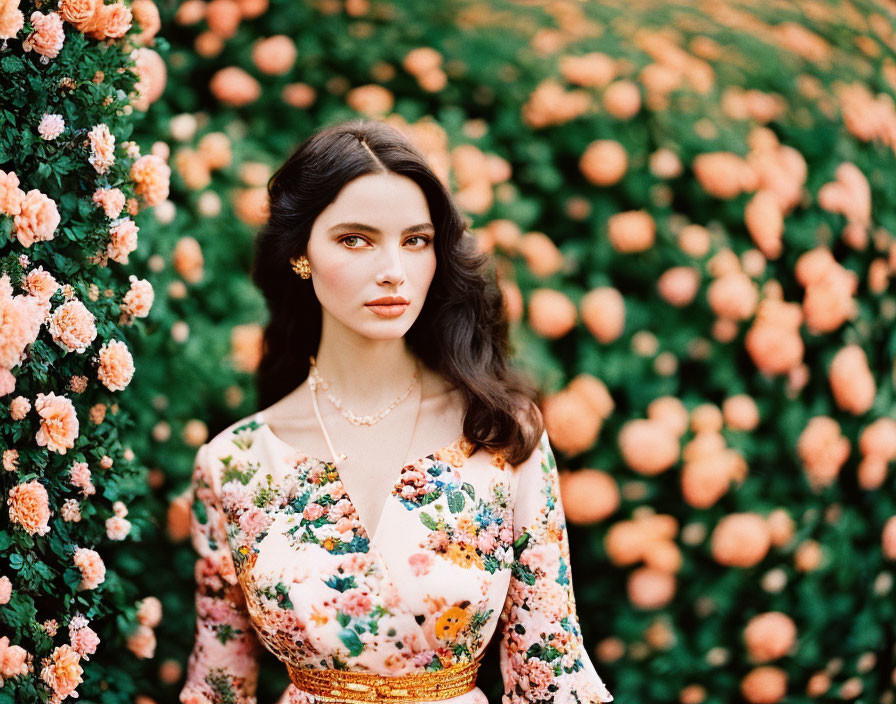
(372, 575)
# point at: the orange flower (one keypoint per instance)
(371, 100)
(769, 636)
(604, 162)
(187, 259)
(622, 99)
(764, 685)
(246, 346)
(542, 255)
(648, 446)
(274, 55)
(724, 174)
(37, 219)
(48, 36)
(765, 222)
(740, 540)
(151, 178)
(59, 422)
(551, 313)
(62, 672)
(147, 15)
(91, 566)
(233, 86)
(29, 507)
(603, 312)
(116, 365)
(649, 588)
(631, 231)
(823, 450)
(73, 326)
(588, 495)
(152, 76)
(852, 382)
(11, 196)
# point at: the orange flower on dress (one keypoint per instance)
(59, 422)
(29, 507)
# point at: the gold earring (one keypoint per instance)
(301, 266)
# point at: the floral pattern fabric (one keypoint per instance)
(466, 548)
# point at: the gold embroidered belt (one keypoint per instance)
(349, 686)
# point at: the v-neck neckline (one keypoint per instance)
(372, 539)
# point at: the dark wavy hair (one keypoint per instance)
(461, 331)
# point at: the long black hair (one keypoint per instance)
(461, 331)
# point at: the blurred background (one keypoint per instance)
(691, 210)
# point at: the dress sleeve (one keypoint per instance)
(223, 665)
(542, 655)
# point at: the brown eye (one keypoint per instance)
(351, 237)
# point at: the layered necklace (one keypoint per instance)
(315, 381)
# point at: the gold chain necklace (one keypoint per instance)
(318, 382)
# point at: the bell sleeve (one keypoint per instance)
(542, 655)
(223, 665)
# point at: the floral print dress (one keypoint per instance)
(466, 546)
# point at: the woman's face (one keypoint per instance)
(374, 241)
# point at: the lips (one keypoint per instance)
(388, 306)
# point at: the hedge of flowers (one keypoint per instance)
(690, 210)
(76, 619)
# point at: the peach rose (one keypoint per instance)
(5, 591)
(299, 95)
(808, 556)
(37, 219)
(109, 21)
(542, 256)
(216, 150)
(116, 365)
(111, 200)
(649, 588)
(724, 174)
(603, 312)
(48, 36)
(764, 685)
(781, 527)
(879, 439)
(740, 412)
(11, 21)
(59, 423)
(823, 450)
(734, 296)
(147, 16)
(512, 299)
(11, 196)
(252, 205)
(648, 446)
(29, 507)
(851, 380)
(274, 55)
(102, 148)
(769, 636)
(122, 240)
(61, 671)
(91, 566)
(740, 540)
(631, 231)
(888, 539)
(705, 479)
(679, 285)
(233, 86)
(551, 313)
(19, 407)
(588, 496)
(665, 163)
(372, 100)
(73, 326)
(152, 77)
(604, 162)
(773, 341)
(152, 178)
(246, 346)
(187, 259)
(671, 412)
(139, 298)
(694, 240)
(622, 99)
(765, 223)
(592, 70)
(223, 17)
(571, 422)
(594, 392)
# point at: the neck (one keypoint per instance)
(364, 373)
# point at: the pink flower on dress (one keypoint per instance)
(152, 177)
(93, 570)
(59, 423)
(354, 602)
(313, 511)
(102, 148)
(112, 201)
(421, 563)
(253, 522)
(122, 240)
(486, 542)
(139, 298)
(37, 219)
(29, 507)
(51, 126)
(48, 36)
(73, 326)
(116, 368)
(341, 508)
(19, 407)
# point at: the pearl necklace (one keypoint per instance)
(316, 381)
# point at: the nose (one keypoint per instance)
(391, 266)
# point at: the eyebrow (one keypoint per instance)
(422, 227)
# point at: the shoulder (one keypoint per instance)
(235, 437)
